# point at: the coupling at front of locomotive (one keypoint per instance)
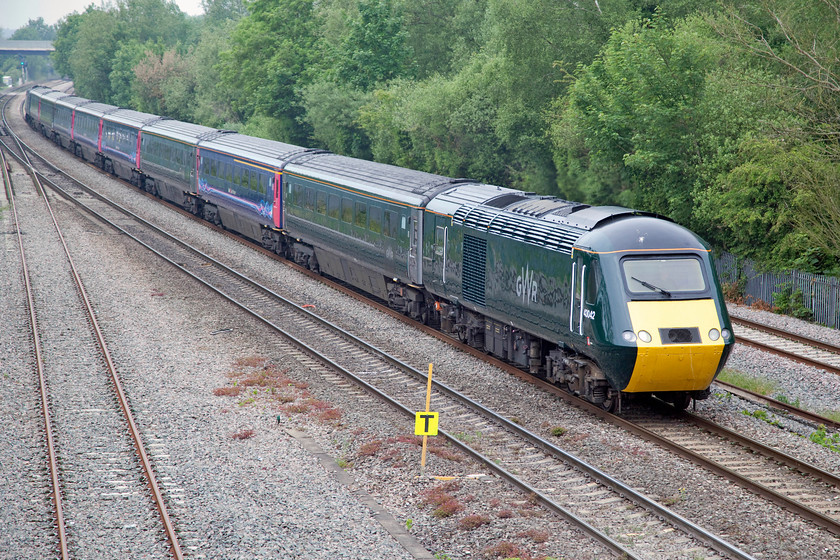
(669, 332)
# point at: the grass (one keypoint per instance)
(539, 536)
(831, 414)
(444, 502)
(504, 549)
(473, 521)
(228, 391)
(756, 385)
(370, 449)
(467, 437)
(829, 441)
(766, 387)
(675, 498)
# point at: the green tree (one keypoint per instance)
(654, 117)
(66, 39)
(92, 56)
(163, 85)
(158, 21)
(798, 42)
(265, 65)
(751, 209)
(35, 30)
(332, 113)
(374, 49)
(218, 12)
(122, 75)
(211, 104)
(443, 35)
(441, 125)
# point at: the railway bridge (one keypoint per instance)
(24, 49)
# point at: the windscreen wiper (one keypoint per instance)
(650, 286)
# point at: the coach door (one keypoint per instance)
(415, 265)
(578, 287)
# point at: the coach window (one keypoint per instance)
(360, 218)
(389, 227)
(321, 203)
(333, 206)
(347, 210)
(375, 223)
(310, 199)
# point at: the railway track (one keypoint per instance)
(788, 345)
(585, 496)
(816, 501)
(811, 492)
(100, 474)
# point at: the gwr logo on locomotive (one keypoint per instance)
(526, 286)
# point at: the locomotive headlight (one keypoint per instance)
(629, 336)
(726, 334)
(714, 334)
(644, 336)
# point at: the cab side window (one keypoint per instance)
(593, 280)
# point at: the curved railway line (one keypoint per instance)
(576, 491)
(551, 475)
(85, 430)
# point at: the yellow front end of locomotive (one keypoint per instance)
(679, 353)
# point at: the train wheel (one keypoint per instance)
(610, 404)
(681, 401)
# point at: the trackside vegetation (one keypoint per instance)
(720, 114)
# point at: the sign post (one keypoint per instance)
(426, 423)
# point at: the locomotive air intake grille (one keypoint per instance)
(475, 262)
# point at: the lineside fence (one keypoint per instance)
(801, 294)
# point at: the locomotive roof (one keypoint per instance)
(130, 117)
(270, 152)
(639, 232)
(408, 186)
(178, 130)
(541, 220)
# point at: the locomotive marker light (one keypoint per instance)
(426, 423)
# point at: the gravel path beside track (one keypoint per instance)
(266, 496)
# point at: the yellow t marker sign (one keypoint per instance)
(425, 423)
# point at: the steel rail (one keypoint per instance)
(52, 459)
(779, 405)
(786, 354)
(720, 546)
(676, 520)
(612, 545)
(151, 480)
(786, 334)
